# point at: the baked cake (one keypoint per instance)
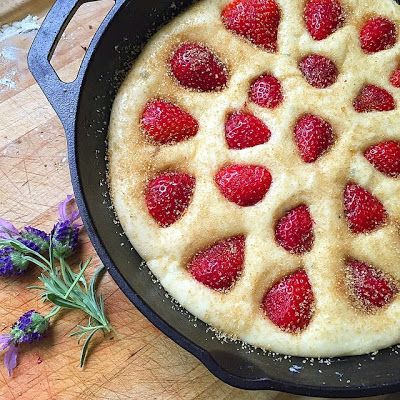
(254, 159)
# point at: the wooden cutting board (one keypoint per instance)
(136, 361)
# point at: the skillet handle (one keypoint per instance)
(61, 95)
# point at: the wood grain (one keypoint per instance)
(13, 10)
(136, 361)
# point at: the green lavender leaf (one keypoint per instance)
(85, 348)
(58, 301)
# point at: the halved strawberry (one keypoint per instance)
(266, 91)
(313, 137)
(195, 66)
(318, 71)
(168, 196)
(363, 211)
(323, 17)
(295, 230)
(395, 78)
(385, 157)
(374, 98)
(243, 130)
(289, 303)
(220, 265)
(166, 123)
(370, 287)
(244, 185)
(256, 20)
(377, 34)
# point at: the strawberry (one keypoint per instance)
(255, 20)
(318, 71)
(244, 130)
(313, 137)
(289, 303)
(294, 231)
(363, 211)
(244, 185)
(374, 98)
(220, 265)
(266, 91)
(323, 17)
(195, 66)
(166, 123)
(385, 157)
(168, 196)
(370, 288)
(377, 34)
(395, 78)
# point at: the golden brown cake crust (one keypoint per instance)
(336, 328)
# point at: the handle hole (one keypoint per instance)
(71, 48)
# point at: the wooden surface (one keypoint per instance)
(13, 10)
(136, 361)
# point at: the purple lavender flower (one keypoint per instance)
(64, 236)
(35, 239)
(12, 262)
(10, 358)
(7, 230)
(29, 328)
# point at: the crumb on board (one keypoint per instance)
(28, 24)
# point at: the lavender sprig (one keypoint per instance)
(68, 289)
(61, 285)
(35, 239)
(29, 328)
(64, 236)
(12, 262)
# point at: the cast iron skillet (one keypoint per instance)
(84, 109)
